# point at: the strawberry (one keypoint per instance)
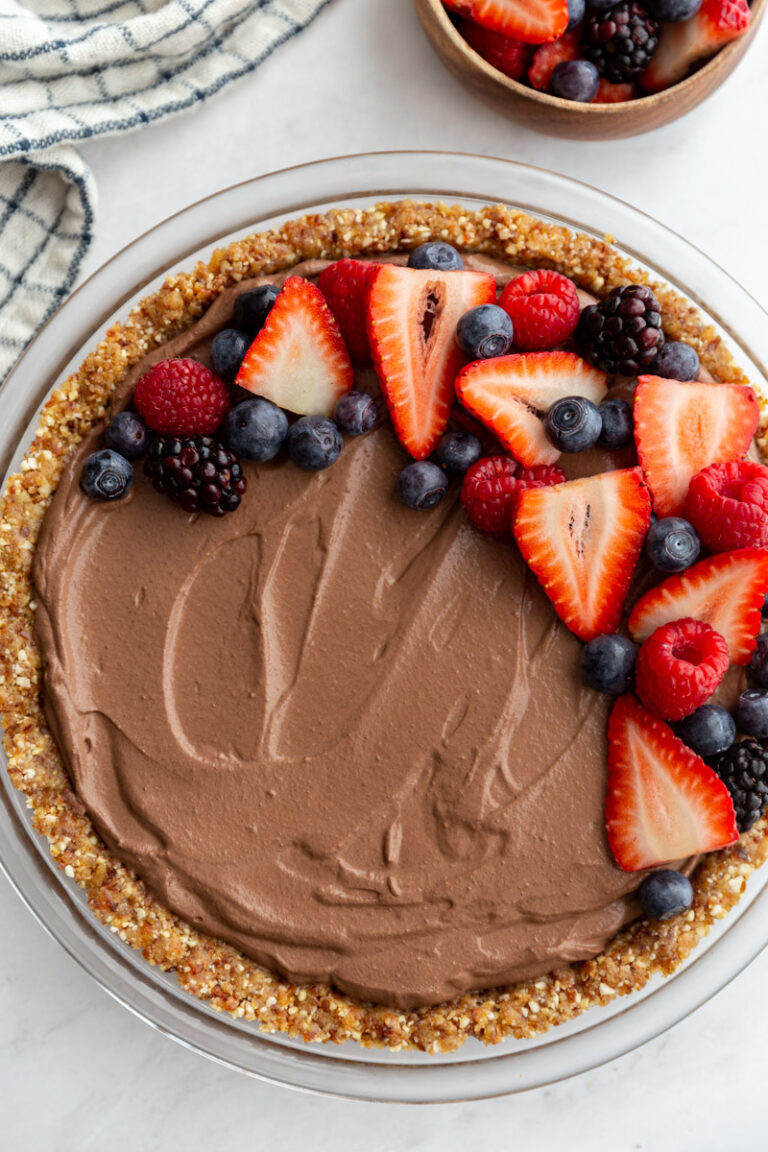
(728, 505)
(508, 56)
(548, 56)
(716, 23)
(663, 803)
(511, 395)
(725, 591)
(412, 318)
(680, 428)
(298, 360)
(679, 667)
(582, 540)
(608, 93)
(533, 21)
(346, 286)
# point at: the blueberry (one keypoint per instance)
(575, 13)
(253, 307)
(618, 426)
(314, 442)
(576, 80)
(484, 332)
(758, 665)
(709, 730)
(672, 544)
(127, 434)
(106, 475)
(672, 10)
(677, 361)
(356, 412)
(458, 451)
(607, 663)
(665, 894)
(255, 429)
(421, 485)
(573, 424)
(751, 713)
(227, 351)
(437, 256)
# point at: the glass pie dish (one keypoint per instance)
(347, 1070)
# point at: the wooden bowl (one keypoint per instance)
(564, 117)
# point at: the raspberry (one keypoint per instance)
(197, 472)
(346, 285)
(728, 505)
(622, 332)
(679, 667)
(492, 487)
(544, 308)
(508, 56)
(182, 397)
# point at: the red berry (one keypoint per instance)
(182, 398)
(509, 56)
(548, 56)
(728, 505)
(346, 286)
(489, 493)
(679, 667)
(544, 308)
(540, 476)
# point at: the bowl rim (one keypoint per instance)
(438, 12)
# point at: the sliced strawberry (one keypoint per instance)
(298, 360)
(346, 285)
(582, 540)
(533, 21)
(663, 803)
(511, 395)
(548, 56)
(412, 318)
(608, 93)
(725, 591)
(680, 428)
(508, 56)
(683, 43)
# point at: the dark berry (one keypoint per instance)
(665, 894)
(458, 451)
(677, 361)
(764, 609)
(576, 80)
(758, 665)
(484, 332)
(356, 413)
(227, 351)
(621, 41)
(421, 485)
(314, 443)
(436, 255)
(253, 307)
(576, 10)
(744, 771)
(751, 713)
(673, 11)
(127, 434)
(607, 663)
(618, 426)
(622, 332)
(196, 472)
(709, 730)
(672, 544)
(573, 424)
(106, 475)
(255, 429)
(601, 5)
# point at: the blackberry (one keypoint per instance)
(622, 332)
(197, 472)
(621, 42)
(744, 771)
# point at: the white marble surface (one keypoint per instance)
(364, 78)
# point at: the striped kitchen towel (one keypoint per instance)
(72, 69)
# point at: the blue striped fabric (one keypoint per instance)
(73, 69)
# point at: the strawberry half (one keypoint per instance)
(511, 395)
(346, 285)
(508, 56)
(680, 428)
(582, 540)
(298, 360)
(725, 591)
(716, 23)
(533, 21)
(412, 318)
(663, 803)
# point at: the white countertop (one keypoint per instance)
(361, 78)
